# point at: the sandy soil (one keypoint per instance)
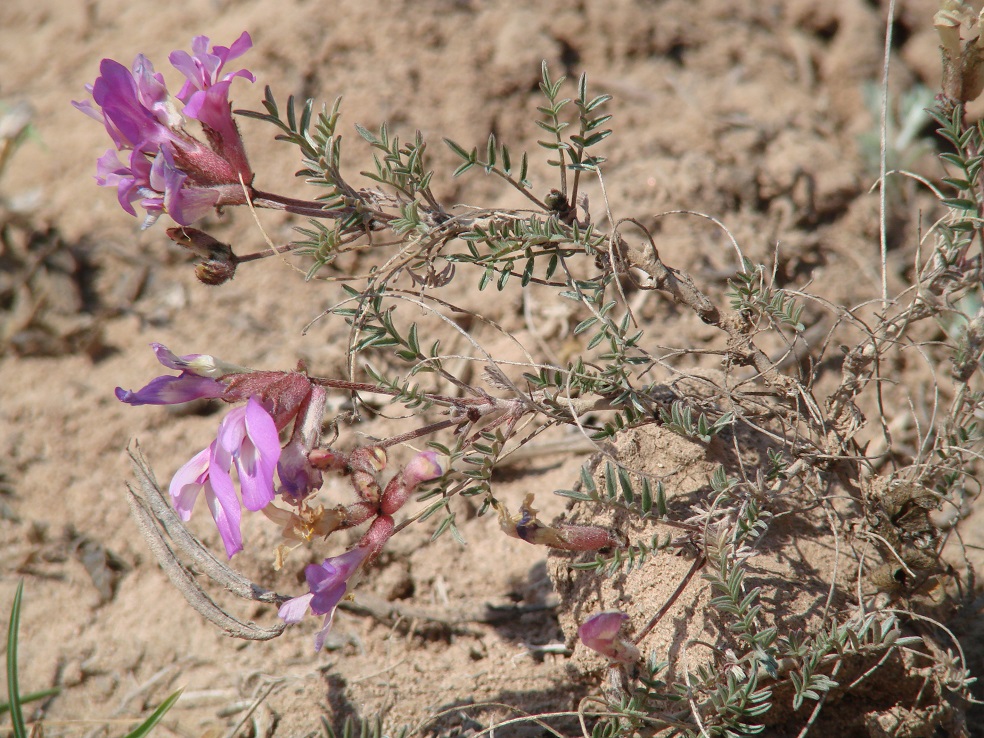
(722, 107)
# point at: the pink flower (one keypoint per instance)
(203, 68)
(206, 95)
(169, 170)
(247, 437)
(133, 105)
(328, 583)
(601, 633)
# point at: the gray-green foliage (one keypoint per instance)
(606, 387)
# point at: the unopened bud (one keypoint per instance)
(328, 460)
(557, 202)
(602, 633)
(365, 486)
(421, 468)
(370, 459)
(358, 513)
(364, 463)
(580, 537)
(395, 495)
(213, 272)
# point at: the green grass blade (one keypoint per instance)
(32, 697)
(13, 691)
(147, 725)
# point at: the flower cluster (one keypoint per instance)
(248, 439)
(168, 170)
(329, 581)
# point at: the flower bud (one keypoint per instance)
(358, 513)
(558, 203)
(328, 460)
(570, 537)
(421, 468)
(365, 485)
(370, 459)
(602, 633)
(213, 273)
(364, 464)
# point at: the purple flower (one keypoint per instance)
(247, 437)
(206, 94)
(328, 584)
(169, 170)
(198, 379)
(203, 68)
(601, 633)
(133, 105)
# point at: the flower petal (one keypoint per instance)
(203, 365)
(167, 390)
(257, 457)
(232, 431)
(329, 581)
(171, 360)
(224, 506)
(319, 638)
(325, 602)
(188, 481)
(294, 609)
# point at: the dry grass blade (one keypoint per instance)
(155, 518)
